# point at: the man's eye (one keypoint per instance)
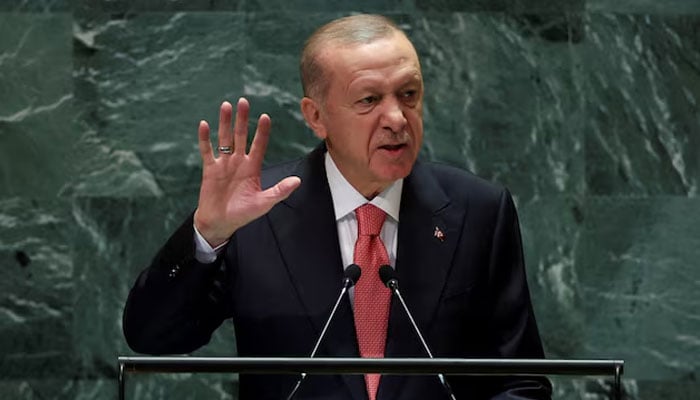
(368, 100)
(409, 94)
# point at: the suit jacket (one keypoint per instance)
(279, 276)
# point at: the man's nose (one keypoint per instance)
(393, 117)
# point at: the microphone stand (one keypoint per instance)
(352, 274)
(388, 276)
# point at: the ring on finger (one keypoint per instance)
(225, 149)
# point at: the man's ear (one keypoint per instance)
(312, 114)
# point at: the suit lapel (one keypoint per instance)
(307, 235)
(429, 227)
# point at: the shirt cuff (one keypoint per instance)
(203, 252)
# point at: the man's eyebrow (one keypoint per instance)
(413, 79)
(370, 83)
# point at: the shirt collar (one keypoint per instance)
(346, 198)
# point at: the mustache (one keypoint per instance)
(394, 139)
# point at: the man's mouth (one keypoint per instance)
(393, 147)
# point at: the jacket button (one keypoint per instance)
(174, 271)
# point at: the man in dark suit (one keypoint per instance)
(268, 249)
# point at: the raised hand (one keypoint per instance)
(230, 195)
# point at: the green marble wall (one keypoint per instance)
(586, 109)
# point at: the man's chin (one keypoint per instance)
(393, 173)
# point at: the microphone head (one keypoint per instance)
(352, 273)
(387, 274)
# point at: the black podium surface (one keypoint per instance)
(407, 366)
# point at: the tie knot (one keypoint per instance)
(369, 219)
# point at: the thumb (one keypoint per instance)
(282, 189)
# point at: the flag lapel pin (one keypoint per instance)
(438, 234)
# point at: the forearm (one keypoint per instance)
(177, 302)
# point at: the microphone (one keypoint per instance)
(350, 277)
(390, 279)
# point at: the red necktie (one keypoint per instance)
(372, 298)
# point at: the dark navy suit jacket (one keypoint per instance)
(282, 273)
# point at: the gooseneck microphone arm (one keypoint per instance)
(388, 276)
(350, 277)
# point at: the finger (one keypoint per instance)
(240, 130)
(225, 113)
(203, 142)
(281, 190)
(261, 138)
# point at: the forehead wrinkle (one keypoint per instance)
(345, 63)
(332, 49)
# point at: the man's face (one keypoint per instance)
(372, 118)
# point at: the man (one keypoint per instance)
(268, 249)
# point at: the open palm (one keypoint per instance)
(230, 195)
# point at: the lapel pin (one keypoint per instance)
(438, 234)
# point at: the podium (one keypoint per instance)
(397, 366)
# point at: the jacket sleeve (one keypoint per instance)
(177, 302)
(512, 320)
